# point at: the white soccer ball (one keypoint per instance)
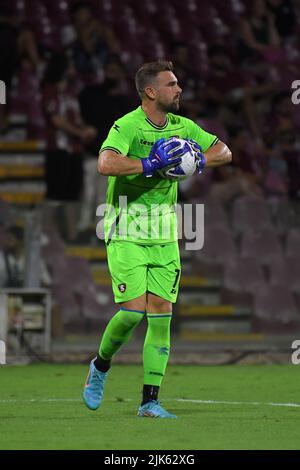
(188, 165)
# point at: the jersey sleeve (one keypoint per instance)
(203, 138)
(119, 137)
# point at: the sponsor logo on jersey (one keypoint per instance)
(146, 142)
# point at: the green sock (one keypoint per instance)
(156, 347)
(118, 331)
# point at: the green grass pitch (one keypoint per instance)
(41, 408)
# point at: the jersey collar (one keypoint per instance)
(153, 124)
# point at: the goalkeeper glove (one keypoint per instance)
(200, 158)
(164, 154)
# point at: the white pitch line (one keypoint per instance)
(41, 400)
(182, 400)
(55, 400)
(217, 402)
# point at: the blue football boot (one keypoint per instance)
(153, 409)
(94, 386)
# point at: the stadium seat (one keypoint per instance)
(68, 307)
(262, 244)
(74, 289)
(214, 214)
(218, 246)
(53, 244)
(249, 213)
(243, 275)
(199, 193)
(292, 244)
(74, 272)
(55, 261)
(97, 304)
(287, 271)
(6, 213)
(282, 213)
(275, 310)
(26, 100)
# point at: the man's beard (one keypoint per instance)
(170, 107)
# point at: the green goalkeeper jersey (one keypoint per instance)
(139, 208)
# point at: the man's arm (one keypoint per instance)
(84, 133)
(111, 163)
(217, 155)
(164, 153)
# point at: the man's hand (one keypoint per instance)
(87, 134)
(164, 154)
(200, 158)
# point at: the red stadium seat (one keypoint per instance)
(249, 213)
(243, 275)
(98, 304)
(287, 271)
(292, 243)
(218, 247)
(275, 310)
(282, 213)
(261, 244)
(68, 307)
(214, 214)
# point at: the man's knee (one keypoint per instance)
(139, 303)
(156, 304)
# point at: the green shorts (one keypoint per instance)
(136, 269)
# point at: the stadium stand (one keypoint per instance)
(252, 237)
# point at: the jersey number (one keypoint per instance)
(177, 271)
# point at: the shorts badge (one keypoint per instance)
(122, 287)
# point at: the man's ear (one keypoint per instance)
(150, 92)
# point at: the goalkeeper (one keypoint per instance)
(145, 264)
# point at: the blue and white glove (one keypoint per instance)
(201, 161)
(164, 154)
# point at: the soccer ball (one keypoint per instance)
(186, 168)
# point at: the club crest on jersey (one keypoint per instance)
(122, 287)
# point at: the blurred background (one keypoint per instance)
(69, 72)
